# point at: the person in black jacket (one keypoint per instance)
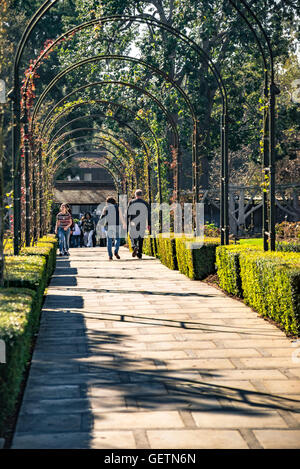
(139, 218)
(88, 228)
(113, 216)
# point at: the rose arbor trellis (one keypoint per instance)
(33, 144)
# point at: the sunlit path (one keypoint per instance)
(133, 355)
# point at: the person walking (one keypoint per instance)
(76, 235)
(88, 228)
(139, 218)
(112, 215)
(62, 229)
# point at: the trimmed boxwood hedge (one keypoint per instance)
(166, 250)
(19, 314)
(269, 282)
(285, 246)
(26, 277)
(47, 250)
(228, 267)
(196, 263)
(271, 285)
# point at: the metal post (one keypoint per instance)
(222, 224)
(226, 179)
(34, 204)
(1, 196)
(265, 233)
(272, 167)
(27, 179)
(40, 191)
(16, 167)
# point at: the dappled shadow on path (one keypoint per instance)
(84, 372)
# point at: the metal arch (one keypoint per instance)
(269, 167)
(106, 149)
(104, 117)
(148, 20)
(102, 138)
(53, 162)
(75, 140)
(16, 110)
(110, 134)
(131, 85)
(162, 107)
(86, 61)
(172, 30)
(142, 90)
(113, 143)
(146, 149)
(56, 168)
(117, 105)
(144, 123)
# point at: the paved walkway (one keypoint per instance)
(133, 355)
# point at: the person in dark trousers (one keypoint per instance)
(139, 218)
(62, 229)
(88, 228)
(113, 216)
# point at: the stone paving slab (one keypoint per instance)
(133, 355)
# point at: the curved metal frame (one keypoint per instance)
(128, 110)
(56, 168)
(98, 138)
(16, 111)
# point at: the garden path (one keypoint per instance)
(133, 355)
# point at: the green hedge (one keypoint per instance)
(271, 285)
(269, 282)
(47, 250)
(284, 246)
(196, 263)
(228, 267)
(26, 272)
(166, 250)
(19, 314)
(26, 277)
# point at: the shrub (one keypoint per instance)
(19, 313)
(47, 250)
(271, 285)
(211, 230)
(284, 246)
(268, 281)
(196, 263)
(288, 230)
(26, 272)
(166, 251)
(148, 246)
(228, 267)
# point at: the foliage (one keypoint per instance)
(196, 262)
(19, 314)
(288, 231)
(166, 251)
(228, 266)
(268, 282)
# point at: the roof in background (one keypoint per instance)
(81, 197)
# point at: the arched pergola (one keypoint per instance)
(269, 127)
